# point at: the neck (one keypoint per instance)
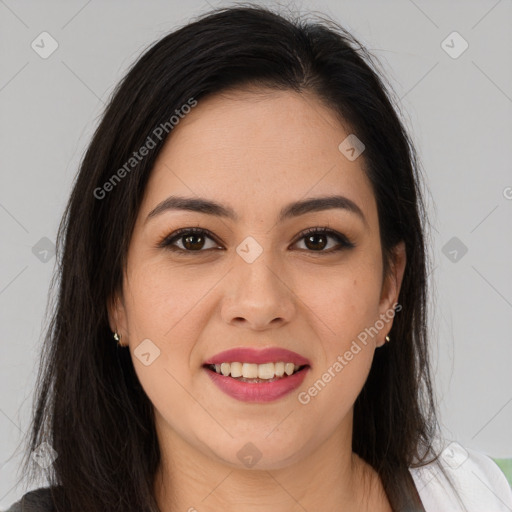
(330, 477)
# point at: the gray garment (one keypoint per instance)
(39, 500)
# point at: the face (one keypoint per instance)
(253, 279)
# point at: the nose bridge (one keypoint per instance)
(259, 293)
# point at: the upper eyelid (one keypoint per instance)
(176, 235)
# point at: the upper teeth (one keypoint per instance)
(253, 371)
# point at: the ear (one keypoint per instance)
(117, 315)
(391, 287)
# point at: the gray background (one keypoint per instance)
(458, 110)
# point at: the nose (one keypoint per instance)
(257, 296)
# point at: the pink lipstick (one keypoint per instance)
(267, 381)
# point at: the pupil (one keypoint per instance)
(188, 243)
(315, 246)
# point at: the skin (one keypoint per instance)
(257, 151)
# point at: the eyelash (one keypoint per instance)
(167, 241)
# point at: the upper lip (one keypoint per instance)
(258, 356)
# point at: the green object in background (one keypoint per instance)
(505, 466)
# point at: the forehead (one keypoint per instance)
(258, 149)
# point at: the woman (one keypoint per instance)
(263, 271)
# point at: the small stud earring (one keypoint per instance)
(387, 339)
(117, 337)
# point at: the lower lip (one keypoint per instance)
(257, 392)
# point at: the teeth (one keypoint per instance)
(249, 371)
(236, 370)
(288, 368)
(264, 371)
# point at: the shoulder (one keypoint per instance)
(462, 479)
(38, 500)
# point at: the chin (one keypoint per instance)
(257, 455)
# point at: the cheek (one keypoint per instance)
(345, 304)
(335, 386)
(161, 303)
(163, 299)
(162, 306)
(346, 299)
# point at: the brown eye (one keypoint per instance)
(317, 240)
(188, 240)
(193, 242)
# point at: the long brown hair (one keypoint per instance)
(90, 407)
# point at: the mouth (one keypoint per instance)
(256, 373)
(251, 386)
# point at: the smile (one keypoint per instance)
(257, 390)
(250, 372)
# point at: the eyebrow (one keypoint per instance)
(295, 209)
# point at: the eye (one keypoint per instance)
(316, 240)
(189, 240)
